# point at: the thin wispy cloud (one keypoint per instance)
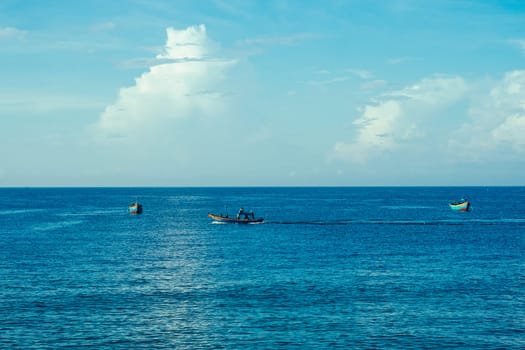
(35, 102)
(401, 60)
(286, 40)
(361, 73)
(335, 77)
(104, 26)
(520, 43)
(24, 41)
(373, 84)
(234, 8)
(12, 33)
(335, 80)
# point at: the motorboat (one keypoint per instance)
(249, 218)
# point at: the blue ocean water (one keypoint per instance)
(363, 268)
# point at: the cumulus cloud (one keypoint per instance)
(443, 118)
(186, 83)
(511, 131)
(400, 118)
(496, 122)
(191, 43)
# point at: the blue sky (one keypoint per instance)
(262, 93)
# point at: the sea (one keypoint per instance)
(330, 268)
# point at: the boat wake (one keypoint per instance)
(403, 222)
(19, 211)
(53, 226)
(234, 223)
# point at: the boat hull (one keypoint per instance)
(228, 220)
(463, 206)
(135, 209)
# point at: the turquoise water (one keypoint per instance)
(330, 268)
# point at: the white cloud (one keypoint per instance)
(11, 33)
(443, 119)
(373, 84)
(433, 91)
(519, 43)
(34, 102)
(104, 26)
(191, 43)
(237, 9)
(187, 86)
(361, 73)
(496, 123)
(511, 131)
(400, 118)
(400, 60)
(286, 40)
(335, 80)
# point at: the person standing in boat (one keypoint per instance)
(245, 214)
(241, 212)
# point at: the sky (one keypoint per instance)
(262, 93)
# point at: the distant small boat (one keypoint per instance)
(135, 208)
(248, 218)
(462, 205)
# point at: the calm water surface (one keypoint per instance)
(330, 268)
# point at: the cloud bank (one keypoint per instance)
(185, 84)
(400, 118)
(445, 116)
(496, 123)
